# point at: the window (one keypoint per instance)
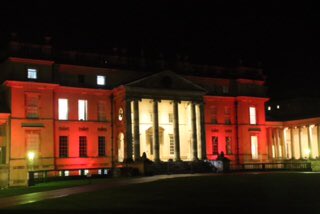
(151, 143)
(83, 109)
(170, 117)
(103, 171)
(213, 112)
(81, 79)
(101, 80)
(82, 146)
(253, 117)
(227, 110)
(33, 141)
(225, 89)
(120, 114)
(171, 144)
(101, 146)
(227, 121)
(228, 145)
(2, 154)
(151, 116)
(63, 109)
(254, 147)
(102, 111)
(215, 145)
(32, 73)
(32, 105)
(63, 146)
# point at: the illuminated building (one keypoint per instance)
(68, 118)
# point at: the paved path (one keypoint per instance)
(39, 196)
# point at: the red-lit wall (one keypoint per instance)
(239, 129)
(91, 129)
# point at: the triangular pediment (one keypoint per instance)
(166, 80)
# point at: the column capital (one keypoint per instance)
(128, 99)
(156, 100)
(136, 99)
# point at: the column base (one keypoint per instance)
(128, 160)
(157, 160)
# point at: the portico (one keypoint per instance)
(295, 140)
(163, 121)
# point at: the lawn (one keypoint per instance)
(229, 193)
(47, 186)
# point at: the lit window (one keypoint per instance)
(269, 108)
(101, 80)
(120, 114)
(32, 73)
(278, 106)
(254, 147)
(82, 109)
(63, 109)
(66, 173)
(253, 118)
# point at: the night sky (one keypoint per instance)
(283, 40)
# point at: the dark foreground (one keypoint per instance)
(219, 193)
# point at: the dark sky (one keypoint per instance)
(284, 39)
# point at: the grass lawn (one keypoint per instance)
(48, 186)
(231, 193)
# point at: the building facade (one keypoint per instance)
(66, 119)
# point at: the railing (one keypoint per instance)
(271, 166)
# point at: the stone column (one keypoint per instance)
(270, 142)
(318, 138)
(283, 143)
(278, 143)
(194, 131)
(292, 143)
(275, 143)
(203, 132)
(128, 131)
(309, 140)
(176, 130)
(156, 144)
(300, 143)
(136, 129)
